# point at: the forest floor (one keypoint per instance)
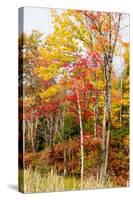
(40, 175)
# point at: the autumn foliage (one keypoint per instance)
(74, 98)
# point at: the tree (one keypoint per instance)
(76, 104)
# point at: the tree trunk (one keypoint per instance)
(52, 140)
(24, 131)
(35, 135)
(81, 139)
(52, 149)
(104, 121)
(65, 162)
(32, 132)
(108, 57)
(104, 135)
(121, 91)
(28, 130)
(109, 120)
(96, 115)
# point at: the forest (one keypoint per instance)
(74, 103)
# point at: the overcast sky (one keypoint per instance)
(38, 19)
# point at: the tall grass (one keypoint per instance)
(51, 182)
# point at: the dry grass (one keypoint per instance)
(35, 182)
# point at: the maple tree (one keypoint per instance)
(75, 106)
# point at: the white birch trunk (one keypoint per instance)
(81, 139)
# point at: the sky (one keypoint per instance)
(38, 19)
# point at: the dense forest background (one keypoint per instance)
(74, 103)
